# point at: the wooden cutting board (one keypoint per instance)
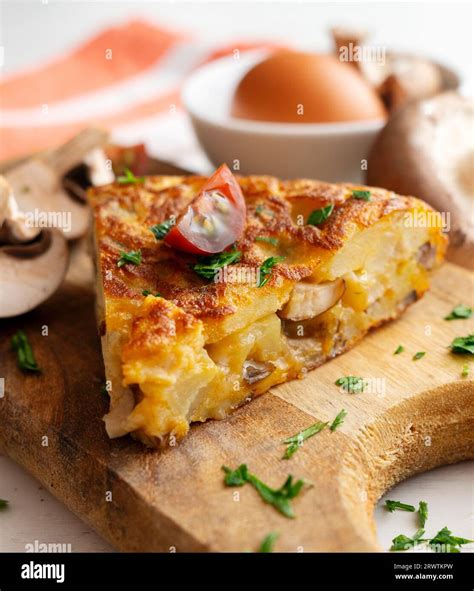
(418, 414)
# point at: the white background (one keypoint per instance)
(34, 31)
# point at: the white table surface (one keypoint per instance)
(34, 514)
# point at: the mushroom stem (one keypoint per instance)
(75, 150)
(37, 184)
(33, 262)
(308, 300)
(13, 224)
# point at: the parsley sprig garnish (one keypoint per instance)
(268, 542)
(364, 195)
(279, 498)
(422, 509)
(318, 216)
(338, 420)
(268, 239)
(133, 257)
(403, 542)
(463, 345)
(392, 505)
(129, 178)
(208, 266)
(445, 538)
(399, 350)
(418, 355)
(147, 292)
(262, 210)
(237, 477)
(26, 359)
(423, 512)
(160, 230)
(266, 269)
(296, 441)
(353, 384)
(459, 312)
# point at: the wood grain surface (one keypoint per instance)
(415, 415)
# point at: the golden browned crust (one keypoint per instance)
(125, 213)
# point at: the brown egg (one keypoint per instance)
(295, 87)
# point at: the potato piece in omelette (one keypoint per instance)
(186, 338)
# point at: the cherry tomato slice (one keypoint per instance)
(214, 219)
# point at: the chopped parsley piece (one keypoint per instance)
(296, 441)
(237, 477)
(423, 512)
(445, 538)
(392, 505)
(442, 540)
(147, 292)
(266, 269)
(129, 178)
(134, 257)
(268, 542)
(403, 542)
(306, 433)
(290, 451)
(261, 209)
(208, 266)
(351, 384)
(364, 195)
(465, 370)
(418, 355)
(459, 312)
(279, 498)
(3, 503)
(462, 345)
(25, 355)
(160, 230)
(268, 239)
(338, 420)
(318, 216)
(399, 350)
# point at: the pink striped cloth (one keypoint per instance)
(127, 78)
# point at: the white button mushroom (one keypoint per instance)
(33, 261)
(39, 188)
(427, 150)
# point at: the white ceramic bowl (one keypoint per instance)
(326, 151)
